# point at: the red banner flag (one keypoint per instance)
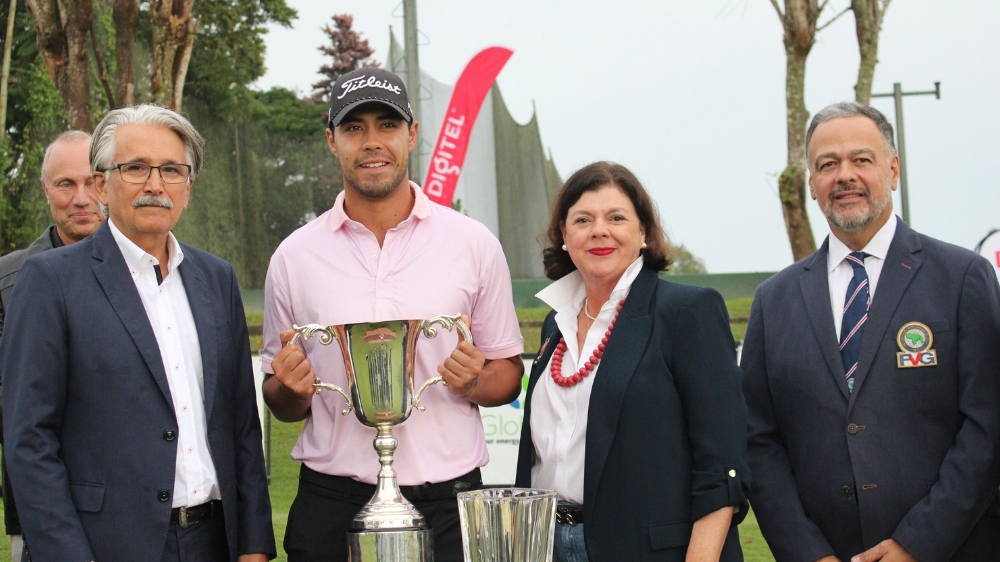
(453, 140)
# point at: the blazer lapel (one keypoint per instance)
(815, 287)
(200, 300)
(624, 350)
(901, 265)
(113, 274)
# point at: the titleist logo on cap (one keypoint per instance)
(362, 82)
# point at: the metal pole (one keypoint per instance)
(412, 75)
(897, 94)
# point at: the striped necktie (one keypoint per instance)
(852, 328)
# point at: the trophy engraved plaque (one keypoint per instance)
(379, 359)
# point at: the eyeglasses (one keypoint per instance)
(137, 172)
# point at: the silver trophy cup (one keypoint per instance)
(379, 360)
(507, 524)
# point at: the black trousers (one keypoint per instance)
(324, 506)
(204, 542)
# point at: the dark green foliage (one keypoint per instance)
(228, 52)
(264, 176)
(34, 117)
(280, 111)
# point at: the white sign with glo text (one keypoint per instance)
(502, 426)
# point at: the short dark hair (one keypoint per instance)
(592, 177)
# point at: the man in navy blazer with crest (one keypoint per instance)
(131, 424)
(890, 452)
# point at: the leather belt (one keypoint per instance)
(437, 491)
(189, 516)
(569, 513)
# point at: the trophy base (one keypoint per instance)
(413, 545)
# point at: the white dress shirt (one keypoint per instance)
(558, 414)
(169, 313)
(840, 271)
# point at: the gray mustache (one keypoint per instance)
(153, 201)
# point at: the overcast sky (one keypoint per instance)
(689, 94)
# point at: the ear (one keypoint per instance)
(101, 188)
(330, 141)
(894, 168)
(812, 189)
(414, 127)
(187, 195)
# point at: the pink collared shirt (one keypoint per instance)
(437, 261)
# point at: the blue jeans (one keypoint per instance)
(569, 545)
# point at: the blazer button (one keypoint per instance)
(847, 491)
(852, 428)
(163, 495)
(169, 435)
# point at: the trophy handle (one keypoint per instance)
(423, 387)
(427, 328)
(448, 322)
(320, 386)
(326, 337)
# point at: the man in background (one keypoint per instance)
(72, 200)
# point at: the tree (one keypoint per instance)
(34, 119)
(173, 31)
(62, 32)
(348, 51)
(226, 57)
(686, 263)
(154, 39)
(868, 16)
(228, 53)
(798, 20)
(5, 79)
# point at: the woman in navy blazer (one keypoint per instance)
(634, 412)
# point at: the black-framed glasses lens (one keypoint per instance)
(137, 172)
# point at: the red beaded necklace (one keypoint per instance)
(595, 357)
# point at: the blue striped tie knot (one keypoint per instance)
(856, 304)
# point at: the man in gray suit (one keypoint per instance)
(69, 192)
(872, 375)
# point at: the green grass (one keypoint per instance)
(284, 476)
(754, 547)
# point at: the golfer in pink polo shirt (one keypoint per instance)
(385, 252)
